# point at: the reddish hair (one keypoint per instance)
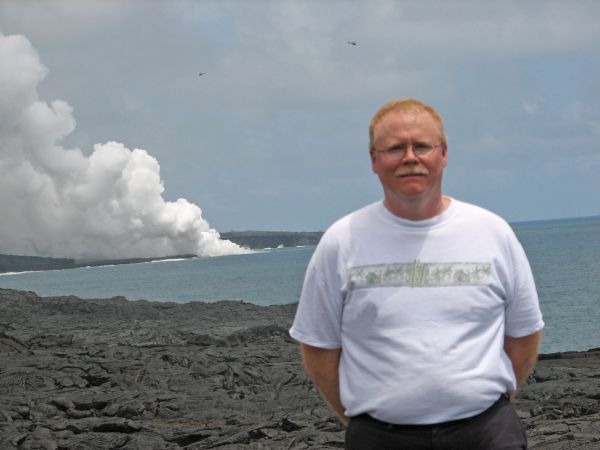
(406, 105)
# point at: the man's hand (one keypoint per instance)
(321, 366)
(523, 352)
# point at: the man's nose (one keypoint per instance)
(409, 156)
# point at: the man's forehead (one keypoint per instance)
(407, 116)
(405, 120)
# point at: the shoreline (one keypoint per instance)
(16, 264)
(138, 374)
(252, 240)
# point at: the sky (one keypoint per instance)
(274, 134)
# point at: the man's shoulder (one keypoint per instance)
(477, 212)
(479, 215)
(365, 213)
(340, 231)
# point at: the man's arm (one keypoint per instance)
(523, 352)
(321, 366)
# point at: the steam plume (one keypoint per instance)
(58, 202)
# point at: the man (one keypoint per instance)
(419, 315)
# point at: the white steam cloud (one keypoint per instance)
(59, 202)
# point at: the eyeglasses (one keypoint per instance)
(399, 151)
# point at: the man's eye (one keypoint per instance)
(399, 149)
(421, 147)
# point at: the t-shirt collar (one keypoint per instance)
(435, 221)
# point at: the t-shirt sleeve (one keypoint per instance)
(318, 318)
(523, 314)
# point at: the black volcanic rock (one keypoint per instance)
(113, 373)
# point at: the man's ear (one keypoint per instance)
(372, 156)
(445, 154)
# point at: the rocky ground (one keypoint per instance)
(108, 374)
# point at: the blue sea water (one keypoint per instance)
(565, 259)
(564, 255)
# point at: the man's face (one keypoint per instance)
(411, 178)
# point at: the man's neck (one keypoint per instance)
(417, 210)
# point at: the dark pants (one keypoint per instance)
(498, 427)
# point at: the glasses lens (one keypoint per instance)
(422, 149)
(400, 151)
(396, 152)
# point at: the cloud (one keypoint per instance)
(474, 28)
(46, 20)
(286, 99)
(530, 107)
(58, 202)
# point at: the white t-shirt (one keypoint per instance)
(420, 310)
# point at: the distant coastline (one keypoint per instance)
(271, 239)
(251, 239)
(560, 220)
(18, 263)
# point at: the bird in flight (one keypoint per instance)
(201, 73)
(352, 42)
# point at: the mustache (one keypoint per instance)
(403, 171)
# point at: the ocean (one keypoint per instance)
(564, 255)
